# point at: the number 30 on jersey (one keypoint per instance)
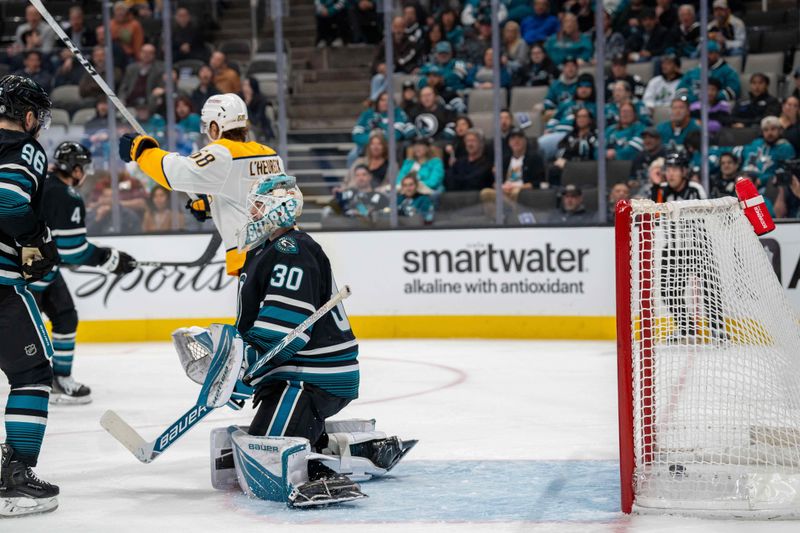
(283, 276)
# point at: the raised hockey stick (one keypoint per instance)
(205, 258)
(92, 71)
(88, 66)
(147, 452)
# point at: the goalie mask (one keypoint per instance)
(227, 110)
(274, 202)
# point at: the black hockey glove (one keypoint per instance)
(200, 208)
(39, 255)
(131, 146)
(116, 262)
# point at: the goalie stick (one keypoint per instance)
(264, 359)
(147, 452)
(205, 258)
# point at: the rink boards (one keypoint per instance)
(534, 283)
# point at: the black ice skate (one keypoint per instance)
(384, 453)
(69, 392)
(21, 492)
(325, 487)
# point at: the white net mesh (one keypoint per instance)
(716, 365)
(194, 347)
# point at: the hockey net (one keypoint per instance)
(708, 364)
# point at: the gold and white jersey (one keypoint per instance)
(225, 170)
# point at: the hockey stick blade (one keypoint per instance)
(126, 435)
(208, 255)
(145, 451)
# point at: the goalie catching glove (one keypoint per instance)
(216, 358)
(131, 146)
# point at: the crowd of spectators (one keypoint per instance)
(444, 51)
(140, 83)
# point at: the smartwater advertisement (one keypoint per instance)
(486, 272)
(539, 272)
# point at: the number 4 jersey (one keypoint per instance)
(282, 283)
(64, 213)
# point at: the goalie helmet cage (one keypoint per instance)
(708, 365)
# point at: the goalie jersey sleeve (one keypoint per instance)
(281, 285)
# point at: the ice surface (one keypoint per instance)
(514, 436)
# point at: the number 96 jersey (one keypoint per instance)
(282, 283)
(23, 166)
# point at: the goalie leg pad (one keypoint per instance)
(223, 469)
(364, 456)
(350, 424)
(269, 468)
(277, 469)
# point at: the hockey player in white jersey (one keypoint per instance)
(225, 169)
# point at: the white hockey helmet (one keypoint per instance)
(227, 110)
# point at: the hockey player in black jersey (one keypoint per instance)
(65, 214)
(291, 442)
(27, 253)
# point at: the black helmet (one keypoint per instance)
(71, 154)
(18, 95)
(676, 159)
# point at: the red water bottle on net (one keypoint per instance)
(754, 207)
